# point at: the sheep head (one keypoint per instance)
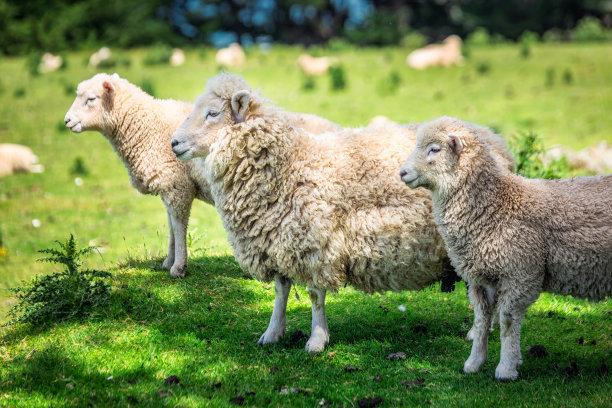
(93, 102)
(228, 100)
(442, 147)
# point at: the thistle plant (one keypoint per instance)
(68, 294)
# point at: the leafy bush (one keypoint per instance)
(589, 29)
(33, 62)
(528, 38)
(389, 84)
(338, 77)
(480, 36)
(158, 55)
(308, 83)
(568, 77)
(79, 168)
(71, 293)
(527, 149)
(148, 86)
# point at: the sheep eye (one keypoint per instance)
(91, 99)
(433, 150)
(212, 114)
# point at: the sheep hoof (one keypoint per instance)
(315, 346)
(472, 366)
(270, 337)
(504, 373)
(178, 271)
(168, 263)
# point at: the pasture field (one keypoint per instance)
(204, 328)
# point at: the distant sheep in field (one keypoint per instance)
(139, 127)
(49, 63)
(596, 159)
(447, 54)
(381, 120)
(99, 56)
(16, 158)
(314, 66)
(323, 211)
(509, 237)
(177, 58)
(231, 56)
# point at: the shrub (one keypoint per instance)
(148, 86)
(33, 62)
(158, 55)
(527, 39)
(483, 67)
(589, 29)
(527, 149)
(19, 92)
(308, 83)
(389, 84)
(79, 168)
(71, 293)
(568, 77)
(480, 36)
(338, 77)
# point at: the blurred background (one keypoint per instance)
(538, 72)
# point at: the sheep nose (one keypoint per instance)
(174, 142)
(403, 172)
(66, 120)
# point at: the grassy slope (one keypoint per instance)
(149, 338)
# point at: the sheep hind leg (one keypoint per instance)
(278, 320)
(511, 315)
(319, 335)
(169, 261)
(483, 310)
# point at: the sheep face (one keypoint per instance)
(433, 162)
(94, 100)
(210, 114)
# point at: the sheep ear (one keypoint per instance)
(240, 104)
(108, 87)
(455, 143)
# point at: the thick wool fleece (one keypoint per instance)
(323, 211)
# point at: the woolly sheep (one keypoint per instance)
(231, 56)
(323, 211)
(17, 158)
(177, 58)
(314, 66)
(447, 54)
(511, 238)
(49, 63)
(596, 159)
(139, 127)
(99, 56)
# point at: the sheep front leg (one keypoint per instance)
(511, 315)
(494, 320)
(180, 219)
(319, 335)
(278, 320)
(483, 310)
(170, 258)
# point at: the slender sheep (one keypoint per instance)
(139, 127)
(511, 236)
(323, 211)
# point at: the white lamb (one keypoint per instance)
(99, 56)
(314, 66)
(231, 56)
(321, 211)
(139, 127)
(509, 237)
(16, 158)
(447, 54)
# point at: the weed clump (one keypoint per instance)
(71, 293)
(308, 83)
(338, 78)
(79, 168)
(527, 149)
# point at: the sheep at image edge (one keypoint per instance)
(509, 237)
(139, 127)
(323, 211)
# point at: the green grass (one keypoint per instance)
(204, 328)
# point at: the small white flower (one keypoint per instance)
(110, 377)
(36, 223)
(401, 308)
(78, 181)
